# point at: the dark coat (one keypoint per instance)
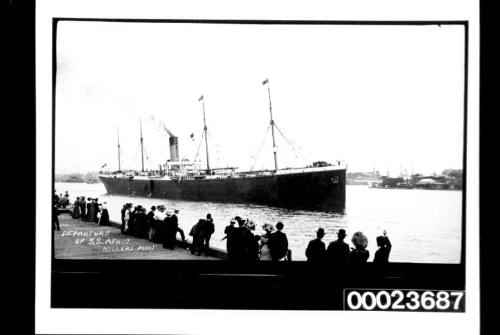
(150, 220)
(252, 242)
(208, 227)
(338, 252)
(174, 219)
(104, 219)
(170, 232)
(95, 206)
(316, 251)
(76, 210)
(198, 234)
(89, 211)
(229, 231)
(382, 254)
(358, 256)
(278, 245)
(239, 247)
(83, 209)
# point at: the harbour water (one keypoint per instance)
(424, 226)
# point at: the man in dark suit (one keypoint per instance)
(83, 208)
(150, 222)
(229, 231)
(208, 230)
(55, 218)
(316, 250)
(338, 251)
(278, 243)
(175, 221)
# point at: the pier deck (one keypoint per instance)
(86, 240)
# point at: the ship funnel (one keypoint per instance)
(174, 148)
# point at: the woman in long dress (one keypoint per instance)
(265, 252)
(95, 216)
(90, 210)
(76, 209)
(104, 219)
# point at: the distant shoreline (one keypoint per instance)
(88, 178)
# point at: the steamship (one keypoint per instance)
(319, 186)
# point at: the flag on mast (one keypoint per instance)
(265, 81)
(104, 165)
(201, 98)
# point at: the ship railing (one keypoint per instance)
(310, 169)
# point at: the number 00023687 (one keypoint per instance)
(404, 300)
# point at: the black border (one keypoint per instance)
(87, 273)
(19, 128)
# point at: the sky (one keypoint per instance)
(388, 98)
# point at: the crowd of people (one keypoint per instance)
(243, 245)
(86, 209)
(338, 252)
(90, 210)
(157, 225)
(160, 225)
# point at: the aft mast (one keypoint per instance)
(205, 131)
(142, 146)
(266, 82)
(119, 160)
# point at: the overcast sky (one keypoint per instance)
(380, 97)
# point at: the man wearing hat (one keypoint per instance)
(208, 230)
(175, 221)
(169, 232)
(238, 238)
(151, 223)
(337, 252)
(316, 250)
(229, 230)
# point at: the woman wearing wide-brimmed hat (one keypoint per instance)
(359, 254)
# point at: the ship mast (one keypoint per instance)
(119, 160)
(142, 146)
(205, 131)
(266, 82)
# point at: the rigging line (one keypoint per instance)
(261, 146)
(290, 143)
(199, 146)
(218, 157)
(145, 151)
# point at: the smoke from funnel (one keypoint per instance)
(162, 126)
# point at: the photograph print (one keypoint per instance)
(331, 152)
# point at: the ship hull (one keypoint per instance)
(317, 190)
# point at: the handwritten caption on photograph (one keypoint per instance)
(103, 239)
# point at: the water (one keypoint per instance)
(424, 226)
